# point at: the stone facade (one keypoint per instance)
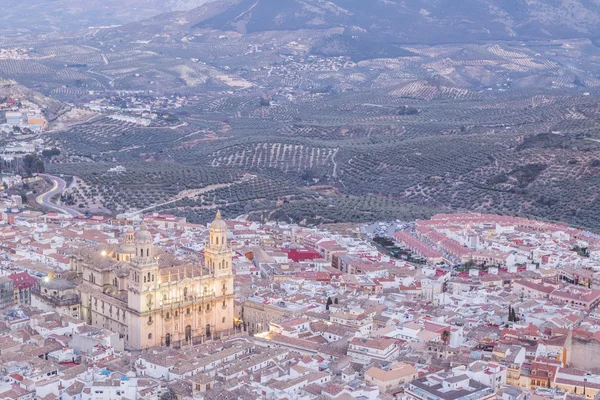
(150, 302)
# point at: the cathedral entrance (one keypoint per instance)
(168, 340)
(188, 333)
(207, 331)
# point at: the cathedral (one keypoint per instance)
(150, 298)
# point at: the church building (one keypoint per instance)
(150, 298)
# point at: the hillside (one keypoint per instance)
(417, 21)
(41, 16)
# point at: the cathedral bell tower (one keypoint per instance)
(144, 272)
(218, 254)
(142, 291)
(218, 258)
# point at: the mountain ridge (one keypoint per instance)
(412, 21)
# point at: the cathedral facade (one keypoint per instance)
(151, 299)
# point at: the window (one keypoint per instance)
(208, 307)
(224, 286)
(199, 308)
(188, 311)
(149, 336)
(223, 319)
(185, 292)
(150, 319)
(168, 315)
(176, 313)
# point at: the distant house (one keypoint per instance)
(392, 377)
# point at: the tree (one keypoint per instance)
(446, 336)
(169, 394)
(510, 313)
(264, 101)
(329, 302)
(49, 153)
(32, 164)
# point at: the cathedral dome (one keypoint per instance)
(218, 224)
(143, 236)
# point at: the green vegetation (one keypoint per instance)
(142, 185)
(527, 173)
(331, 210)
(383, 241)
(581, 251)
(49, 153)
(32, 164)
(512, 315)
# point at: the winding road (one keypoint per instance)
(58, 186)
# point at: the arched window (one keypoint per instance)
(148, 252)
(185, 292)
(217, 241)
(149, 336)
(223, 319)
(168, 340)
(188, 333)
(208, 331)
(144, 279)
(208, 307)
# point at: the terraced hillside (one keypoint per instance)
(308, 111)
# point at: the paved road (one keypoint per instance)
(58, 185)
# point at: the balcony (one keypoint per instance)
(184, 300)
(66, 300)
